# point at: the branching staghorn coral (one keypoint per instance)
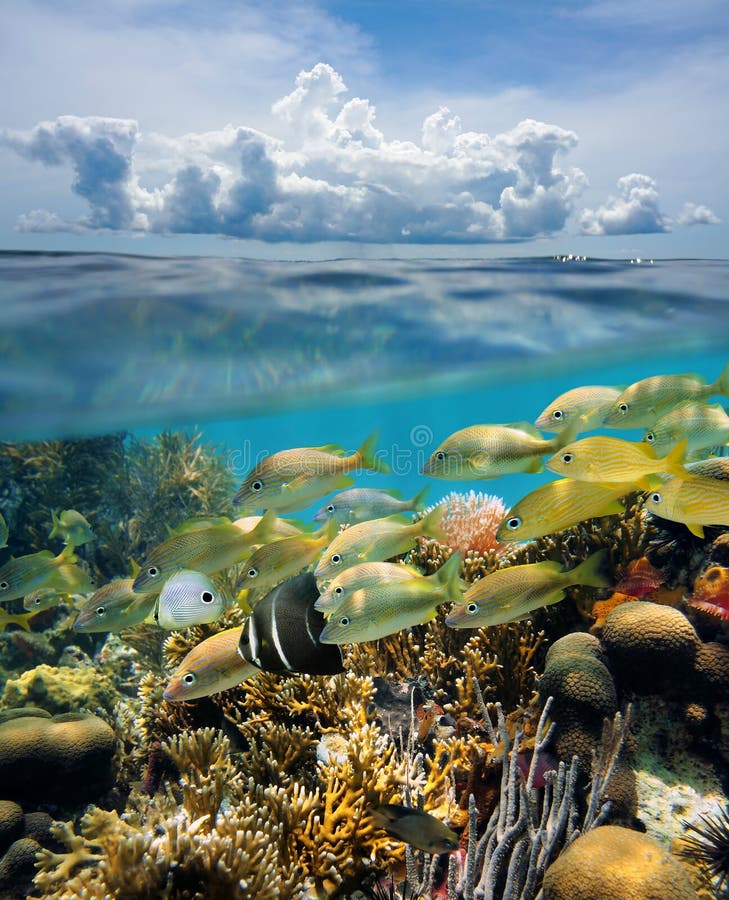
(189, 850)
(503, 658)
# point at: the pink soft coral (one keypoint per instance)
(471, 521)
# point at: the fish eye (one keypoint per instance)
(207, 597)
(472, 609)
(337, 558)
(650, 437)
(251, 573)
(440, 455)
(4, 585)
(330, 507)
(344, 621)
(567, 458)
(188, 678)
(513, 523)
(655, 497)
(557, 414)
(257, 486)
(153, 571)
(37, 600)
(100, 610)
(623, 407)
(338, 591)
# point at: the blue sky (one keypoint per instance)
(325, 129)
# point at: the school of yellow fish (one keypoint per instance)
(362, 594)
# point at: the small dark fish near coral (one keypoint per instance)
(282, 633)
(415, 827)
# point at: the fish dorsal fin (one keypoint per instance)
(334, 449)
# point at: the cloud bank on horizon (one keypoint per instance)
(333, 176)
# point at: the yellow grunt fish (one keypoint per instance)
(207, 550)
(640, 404)
(487, 451)
(392, 604)
(701, 425)
(292, 479)
(695, 500)
(72, 528)
(273, 563)
(212, 666)
(20, 576)
(113, 607)
(363, 579)
(512, 594)
(378, 539)
(42, 598)
(586, 405)
(558, 505)
(609, 460)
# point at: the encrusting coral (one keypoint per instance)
(60, 689)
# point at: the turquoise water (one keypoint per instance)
(267, 355)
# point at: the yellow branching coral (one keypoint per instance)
(341, 840)
(207, 774)
(277, 754)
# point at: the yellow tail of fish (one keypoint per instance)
(591, 572)
(429, 525)
(449, 575)
(721, 385)
(368, 458)
(673, 461)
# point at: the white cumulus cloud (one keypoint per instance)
(634, 211)
(331, 174)
(697, 214)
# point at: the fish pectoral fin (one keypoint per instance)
(695, 528)
(535, 466)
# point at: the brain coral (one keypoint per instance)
(64, 759)
(651, 647)
(612, 863)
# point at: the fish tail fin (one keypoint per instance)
(55, 526)
(418, 501)
(566, 436)
(23, 620)
(368, 457)
(429, 525)
(67, 555)
(673, 461)
(449, 576)
(721, 384)
(592, 571)
(264, 531)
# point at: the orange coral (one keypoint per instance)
(601, 608)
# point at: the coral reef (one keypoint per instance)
(615, 862)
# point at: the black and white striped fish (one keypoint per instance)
(282, 633)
